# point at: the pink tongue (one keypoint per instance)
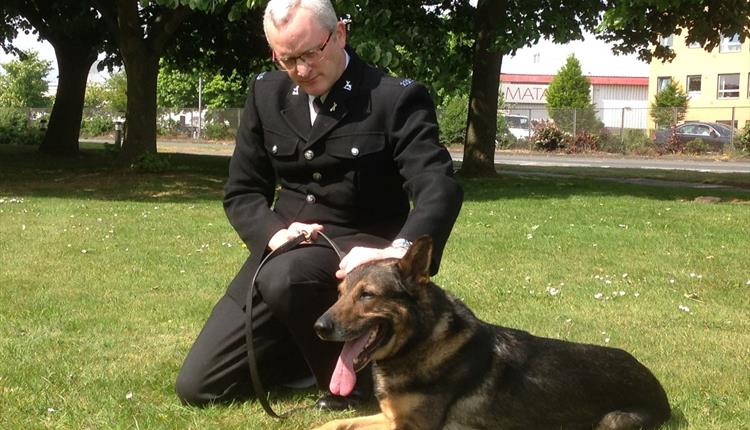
(344, 378)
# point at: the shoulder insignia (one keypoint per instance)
(406, 82)
(260, 76)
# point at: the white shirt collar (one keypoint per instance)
(310, 98)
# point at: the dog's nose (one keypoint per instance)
(324, 326)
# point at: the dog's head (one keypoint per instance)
(377, 311)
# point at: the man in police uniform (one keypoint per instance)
(350, 148)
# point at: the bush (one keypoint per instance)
(151, 163)
(583, 142)
(15, 129)
(670, 105)
(742, 140)
(170, 127)
(97, 125)
(452, 119)
(697, 146)
(548, 137)
(674, 145)
(506, 140)
(218, 131)
(636, 142)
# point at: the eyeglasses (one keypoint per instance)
(309, 57)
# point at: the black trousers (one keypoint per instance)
(293, 289)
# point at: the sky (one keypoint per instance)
(596, 57)
(544, 58)
(46, 52)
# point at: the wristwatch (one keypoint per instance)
(401, 243)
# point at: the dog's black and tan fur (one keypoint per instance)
(437, 366)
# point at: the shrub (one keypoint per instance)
(15, 129)
(171, 127)
(742, 140)
(548, 137)
(97, 125)
(636, 141)
(151, 163)
(674, 145)
(697, 146)
(505, 140)
(218, 131)
(670, 105)
(452, 119)
(582, 142)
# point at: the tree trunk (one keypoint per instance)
(481, 127)
(140, 115)
(63, 130)
(141, 52)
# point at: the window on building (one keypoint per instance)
(730, 43)
(666, 41)
(729, 86)
(694, 85)
(662, 82)
(694, 45)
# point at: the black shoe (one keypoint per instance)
(330, 402)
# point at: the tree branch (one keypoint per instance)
(166, 26)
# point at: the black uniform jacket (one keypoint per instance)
(373, 148)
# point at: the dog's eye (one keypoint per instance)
(365, 295)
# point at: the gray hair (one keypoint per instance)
(279, 12)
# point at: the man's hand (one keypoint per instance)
(295, 229)
(360, 255)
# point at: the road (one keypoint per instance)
(665, 163)
(525, 159)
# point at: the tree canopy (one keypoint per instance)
(569, 99)
(23, 83)
(432, 41)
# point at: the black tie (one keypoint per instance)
(317, 104)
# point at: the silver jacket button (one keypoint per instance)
(309, 155)
(274, 149)
(317, 176)
(310, 198)
(355, 151)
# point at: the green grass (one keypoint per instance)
(107, 276)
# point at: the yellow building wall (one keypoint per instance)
(709, 65)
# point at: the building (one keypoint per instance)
(717, 82)
(620, 101)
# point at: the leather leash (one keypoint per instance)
(260, 392)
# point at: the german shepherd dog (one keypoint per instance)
(436, 366)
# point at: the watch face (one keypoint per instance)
(401, 243)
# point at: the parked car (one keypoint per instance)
(518, 125)
(715, 135)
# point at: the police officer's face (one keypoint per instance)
(304, 34)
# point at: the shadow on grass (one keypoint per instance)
(94, 174)
(677, 421)
(513, 185)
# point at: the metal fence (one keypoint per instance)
(624, 129)
(619, 130)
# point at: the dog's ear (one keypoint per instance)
(415, 264)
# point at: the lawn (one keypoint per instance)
(108, 275)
